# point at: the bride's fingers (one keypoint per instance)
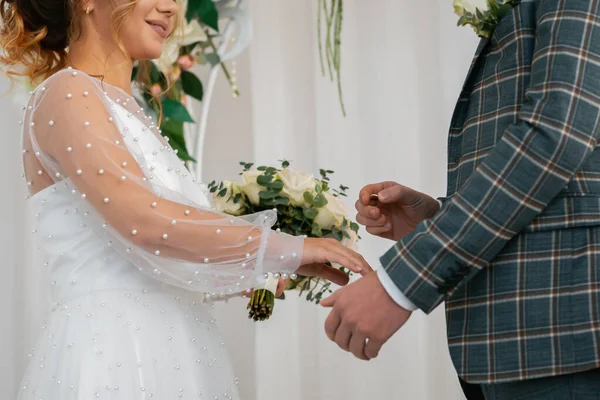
(280, 287)
(355, 262)
(326, 272)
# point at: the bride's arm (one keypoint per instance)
(191, 246)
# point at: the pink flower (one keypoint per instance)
(185, 62)
(156, 89)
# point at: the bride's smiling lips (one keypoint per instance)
(160, 27)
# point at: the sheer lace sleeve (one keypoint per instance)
(96, 139)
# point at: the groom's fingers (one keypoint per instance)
(357, 346)
(371, 222)
(332, 324)
(379, 230)
(369, 211)
(372, 348)
(343, 335)
(367, 191)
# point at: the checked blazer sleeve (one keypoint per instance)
(556, 130)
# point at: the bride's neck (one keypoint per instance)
(105, 61)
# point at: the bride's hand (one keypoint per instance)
(319, 251)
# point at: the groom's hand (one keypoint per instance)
(392, 211)
(363, 317)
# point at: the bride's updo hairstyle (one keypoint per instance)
(35, 34)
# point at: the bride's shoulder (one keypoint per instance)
(69, 83)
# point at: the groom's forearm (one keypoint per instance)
(557, 130)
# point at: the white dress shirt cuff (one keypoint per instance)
(395, 293)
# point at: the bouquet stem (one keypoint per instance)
(260, 306)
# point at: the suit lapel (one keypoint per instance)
(482, 44)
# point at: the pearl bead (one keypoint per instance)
(173, 222)
(153, 204)
(157, 252)
(106, 199)
(85, 94)
(69, 149)
(165, 236)
(110, 119)
(206, 260)
(69, 96)
(293, 276)
(32, 124)
(79, 172)
(51, 123)
(101, 172)
(117, 142)
(124, 164)
(187, 212)
(123, 177)
(89, 145)
(40, 172)
(276, 275)
(218, 231)
(57, 174)
(134, 232)
(281, 257)
(74, 73)
(294, 255)
(249, 238)
(86, 124)
(247, 255)
(83, 196)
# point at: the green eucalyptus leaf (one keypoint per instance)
(276, 185)
(320, 201)
(310, 213)
(267, 195)
(264, 180)
(213, 59)
(309, 198)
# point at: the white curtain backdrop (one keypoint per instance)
(403, 63)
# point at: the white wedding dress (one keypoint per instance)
(133, 252)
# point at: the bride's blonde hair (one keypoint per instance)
(35, 34)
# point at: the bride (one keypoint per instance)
(133, 248)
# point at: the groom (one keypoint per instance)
(514, 249)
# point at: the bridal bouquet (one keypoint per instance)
(306, 206)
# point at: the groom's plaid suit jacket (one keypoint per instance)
(515, 249)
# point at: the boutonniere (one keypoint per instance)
(482, 15)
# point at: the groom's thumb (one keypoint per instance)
(391, 194)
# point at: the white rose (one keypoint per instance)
(250, 187)
(460, 6)
(332, 214)
(188, 34)
(295, 183)
(226, 204)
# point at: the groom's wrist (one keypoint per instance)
(394, 292)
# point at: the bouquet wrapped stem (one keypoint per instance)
(260, 306)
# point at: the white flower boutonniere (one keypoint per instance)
(482, 15)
